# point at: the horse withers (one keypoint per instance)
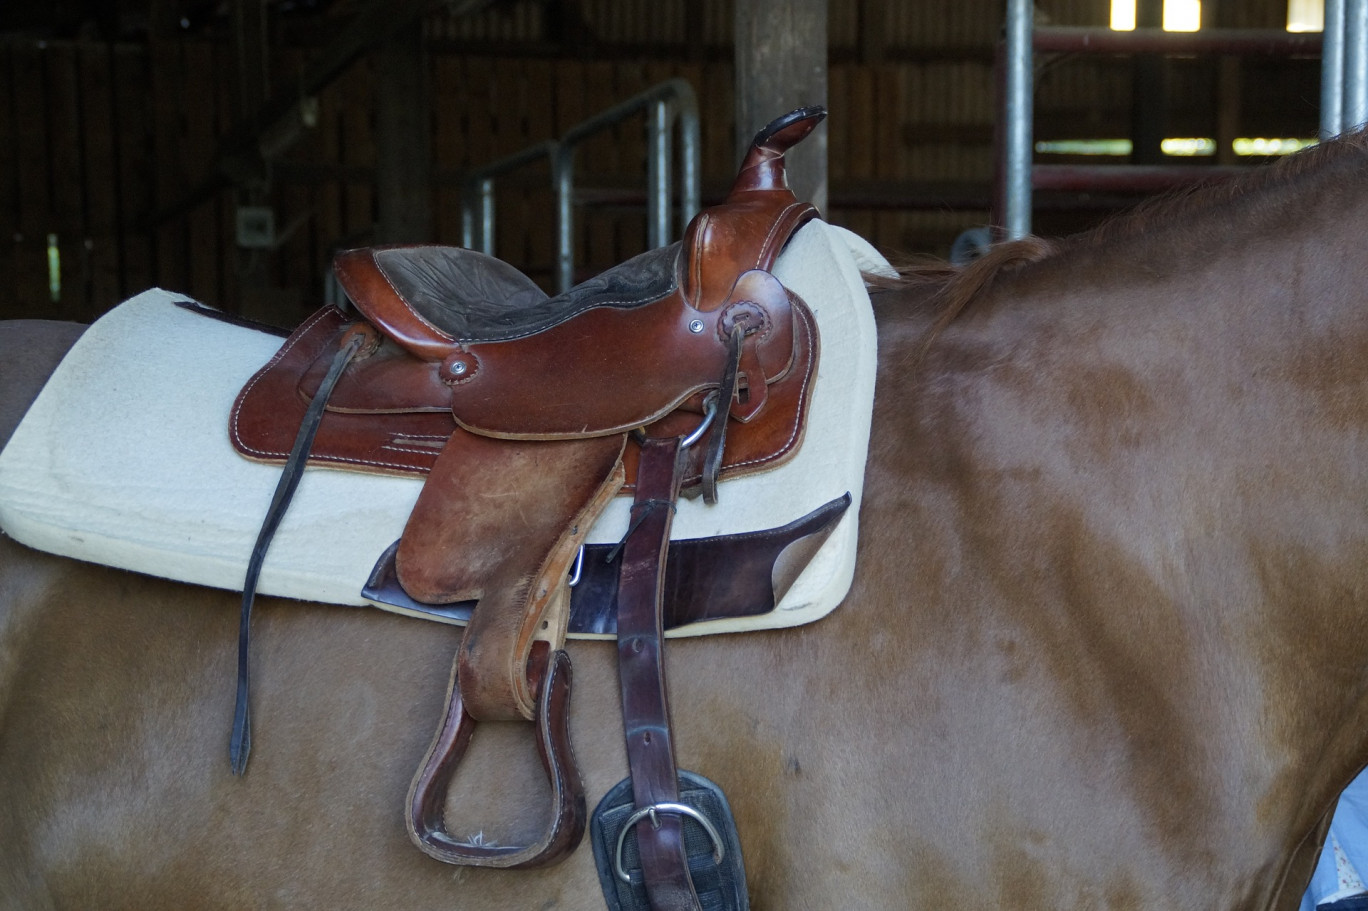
(1099, 652)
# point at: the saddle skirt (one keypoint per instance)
(123, 459)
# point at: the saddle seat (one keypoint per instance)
(613, 354)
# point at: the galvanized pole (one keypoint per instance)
(690, 145)
(1019, 115)
(1332, 70)
(659, 137)
(563, 178)
(1355, 65)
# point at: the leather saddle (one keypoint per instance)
(528, 413)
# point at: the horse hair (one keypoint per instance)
(1160, 224)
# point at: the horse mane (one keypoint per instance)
(961, 285)
(1155, 221)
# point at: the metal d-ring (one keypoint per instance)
(719, 850)
(709, 414)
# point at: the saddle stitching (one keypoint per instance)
(561, 781)
(779, 221)
(407, 306)
(260, 374)
(797, 429)
(696, 262)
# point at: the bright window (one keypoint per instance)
(1179, 15)
(1177, 147)
(1305, 15)
(1123, 15)
(1182, 15)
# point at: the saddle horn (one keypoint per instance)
(764, 165)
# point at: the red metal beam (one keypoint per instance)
(1121, 178)
(1238, 41)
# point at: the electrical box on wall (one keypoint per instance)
(256, 227)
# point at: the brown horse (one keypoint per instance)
(1102, 650)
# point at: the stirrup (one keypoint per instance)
(423, 812)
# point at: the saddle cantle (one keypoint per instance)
(528, 414)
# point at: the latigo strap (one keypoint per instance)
(641, 671)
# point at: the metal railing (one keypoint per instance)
(1344, 92)
(667, 103)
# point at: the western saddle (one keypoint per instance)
(528, 414)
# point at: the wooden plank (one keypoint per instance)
(196, 159)
(9, 183)
(569, 99)
(598, 157)
(230, 279)
(101, 177)
(135, 188)
(301, 266)
(301, 261)
(450, 106)
(67, 184)
(509, 136)
(9, 164)
(170, 250)
(873, 30)
(717, 116)
(540, 202)
(328, 198)
(838, 133)
(887, 145)
(479, 80)
(631, 137)
(359, 148)
(859, 144)
(403, 111)
(35, 216)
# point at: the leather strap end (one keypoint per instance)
(240, 744)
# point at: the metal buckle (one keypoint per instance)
(719, 851)
(578, 569)
(710, 404)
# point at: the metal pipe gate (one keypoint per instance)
(1343, 47)
(665, 104)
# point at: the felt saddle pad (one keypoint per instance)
(124, 458)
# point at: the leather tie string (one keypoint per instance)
(240, 745)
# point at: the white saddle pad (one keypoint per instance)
(124, 458)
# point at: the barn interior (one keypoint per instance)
(227, 149)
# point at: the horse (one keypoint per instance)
(1101, 650)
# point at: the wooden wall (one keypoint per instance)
(103, 136)
(77, 166)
